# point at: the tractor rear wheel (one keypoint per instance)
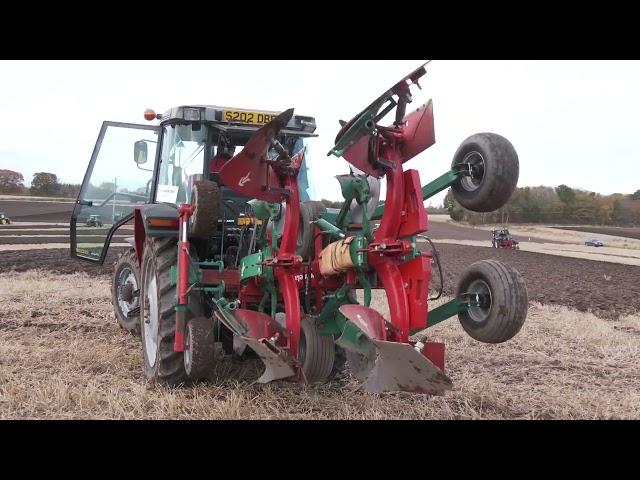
(316, 352)
(503, 301)
(125, 291)
(492, 169)
(158, 313)
(205, 198)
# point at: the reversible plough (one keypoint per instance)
(234, 257)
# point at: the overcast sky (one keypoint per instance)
(572, 122)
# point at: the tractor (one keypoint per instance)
(94, 221)
(229, 254)
(501, 238)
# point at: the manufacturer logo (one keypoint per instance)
(245, 179)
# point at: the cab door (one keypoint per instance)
(119, 177)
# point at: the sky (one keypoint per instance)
(571, 122)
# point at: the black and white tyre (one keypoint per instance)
(309, 212)
(316, 351)
(125, 291)
(158, 314)
(491, 167)
(199, 357)
(503, 301)
(205, 198)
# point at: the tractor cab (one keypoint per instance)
(190, 144)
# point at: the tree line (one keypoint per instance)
(43, 184)
(561, 205)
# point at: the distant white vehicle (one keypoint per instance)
(4, 220)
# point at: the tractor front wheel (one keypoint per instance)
(316, 352)
(503, 301)
(490, 169)
(125, 291)
(158, 314)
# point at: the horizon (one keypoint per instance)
(571, 122)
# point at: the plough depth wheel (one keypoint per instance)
(316, 352)
(503, 301)
(492, 170)
(199, 356)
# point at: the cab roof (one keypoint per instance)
(231, 119)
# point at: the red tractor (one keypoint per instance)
(228, 252)
(501, 238)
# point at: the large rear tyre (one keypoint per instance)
(125, 291)
(503, 301)
(492, 169)
(158, 314)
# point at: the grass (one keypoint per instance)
(62, 356)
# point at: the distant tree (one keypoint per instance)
(635, 195)
(456, 212)
(69, 190)
(617, 213)
(11, 182)
(566, 194)
(45, 183)
(331, 203)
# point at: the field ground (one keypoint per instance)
(615, 231)
(63, 356)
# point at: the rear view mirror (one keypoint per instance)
(140, 152)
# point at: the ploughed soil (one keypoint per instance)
(445, 230)
(58, 237)
(37, 211)
(56, 260)
(617, 231)
(608, 290)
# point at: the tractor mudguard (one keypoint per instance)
(160, 211)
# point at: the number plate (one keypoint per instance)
(244, 116)
(248, 221)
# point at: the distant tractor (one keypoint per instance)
(4, 220)
(501, 238)
(94, 221)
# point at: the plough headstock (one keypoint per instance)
(253, 173)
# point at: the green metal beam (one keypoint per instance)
(329, 227)
(445, 311)
(429, 190)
